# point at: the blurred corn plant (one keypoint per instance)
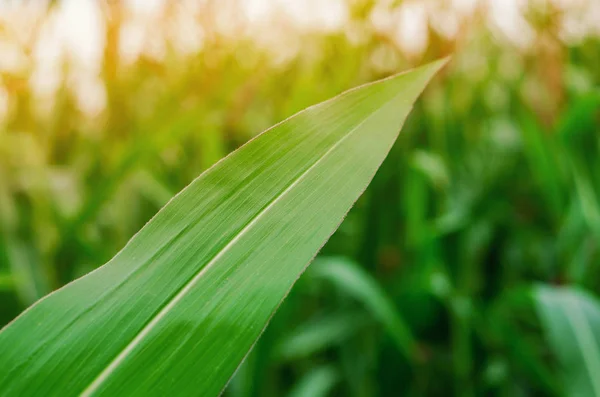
(432, 283)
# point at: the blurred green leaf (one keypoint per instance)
(319, 334)
(509, 323)
(6, 281)
(356, 282)
(27, 273)
(317, 383)
(571, 318)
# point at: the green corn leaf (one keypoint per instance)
(178, 309)
(319, 335)
(353, 280)
(317, 383)
(571, 318)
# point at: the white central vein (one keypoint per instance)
(585, 338)
(97, 382)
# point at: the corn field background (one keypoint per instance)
(108, 108)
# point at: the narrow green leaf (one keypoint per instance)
(178, 309)
(317, 383)
(6, 282)
(320, 334)
(29, 281)
(571, 318)
(353, 280)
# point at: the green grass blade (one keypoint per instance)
(28, 278)
(178, 309)
(320, 334)
(571, 318)
(353, 280)
(317, 383)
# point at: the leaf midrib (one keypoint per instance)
(180, 294)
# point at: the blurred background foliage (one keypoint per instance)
(452, 272)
